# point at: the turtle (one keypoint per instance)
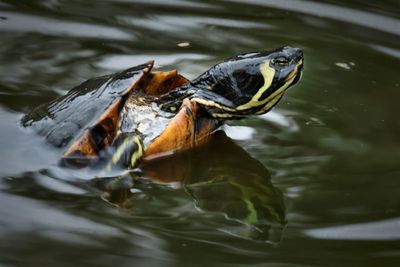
(140, 114)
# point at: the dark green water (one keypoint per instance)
(314, 183)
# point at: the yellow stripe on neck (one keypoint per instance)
(271, 103)
(268, 74)
(255, 103)
(209, 103)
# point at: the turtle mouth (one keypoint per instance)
(296, 78)
(295, 75)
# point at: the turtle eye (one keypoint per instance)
(280, 61)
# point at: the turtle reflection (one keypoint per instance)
(221, 177)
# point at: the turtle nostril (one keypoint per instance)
(293, 52)
(299, 53)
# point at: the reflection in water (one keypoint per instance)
(221, 177)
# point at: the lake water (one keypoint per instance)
(313, 183)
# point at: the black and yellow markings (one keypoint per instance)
(128, 152)
(268, 74)
(210, 103)
(269, 102)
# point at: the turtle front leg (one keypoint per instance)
(127, 149)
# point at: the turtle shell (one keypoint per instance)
(65, 119)
(86, 120)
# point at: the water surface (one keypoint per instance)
(314, 183)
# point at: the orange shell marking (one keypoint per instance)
(186, 130)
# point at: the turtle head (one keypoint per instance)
(248, 84)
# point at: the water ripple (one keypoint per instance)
(363, 18)
(117, 62)
(17, 22)
(378, 230)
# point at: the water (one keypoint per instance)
(321, 171)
